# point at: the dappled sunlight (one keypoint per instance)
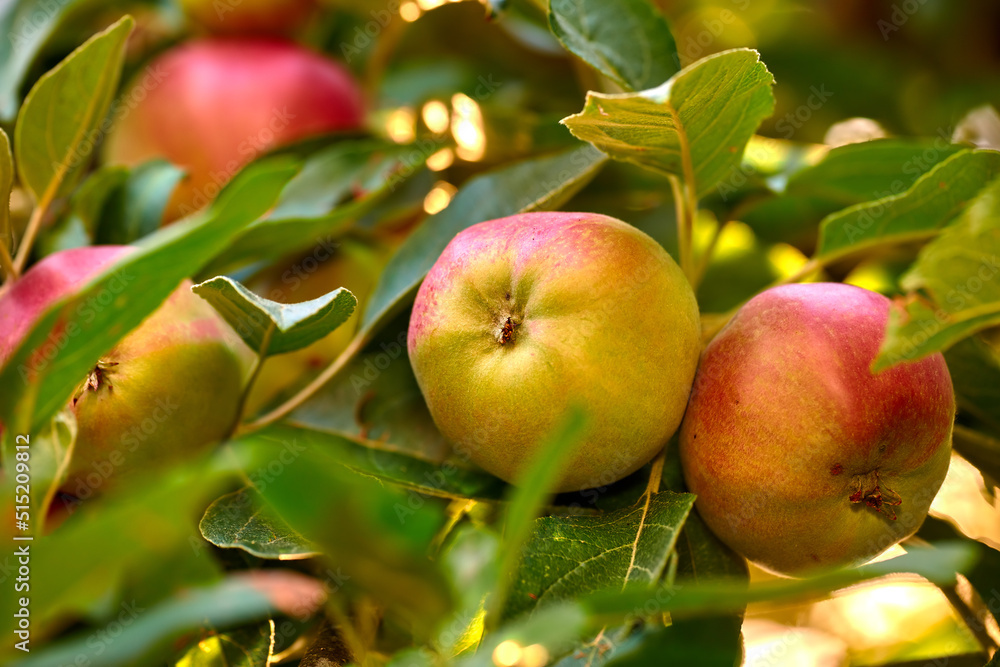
(467, 128)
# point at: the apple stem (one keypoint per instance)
(656, 474)
(684, 215)
(707, 255)
(30, 232)
(254, 374)
(10, 272)
(975, 613)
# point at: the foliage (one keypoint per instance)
(335, 525)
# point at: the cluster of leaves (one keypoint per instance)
(335, 527)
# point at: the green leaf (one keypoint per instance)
(239, 599)
(249, 646)
(469, 558)
(869, 170)
(938, 565)
(984, 575)
(702, 558)
(25, 26)
(6, 185)
(157, 511)
(915, 214)
(958, 271)
(377, 534)
(376, 397)
(242, 520)
(533, 489)
(532, 185)
(695, 126)
(980, 450)
(49, 448)
(59, 120)
(628, 41)
(140, 282)
(706, 642)
(80, 220)
(269, 327)
(570, 556)
(390, 464)
(90, 199)
(335, 187)
(974, 364)
(560, 627)
(136, 207)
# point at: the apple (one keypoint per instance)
(800, 456)
(211, 106)
(249, 16)
(165, 391)
(524, 317)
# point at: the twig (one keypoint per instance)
(307, 392)
(30, 232)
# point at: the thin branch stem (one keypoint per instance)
(385, 47)
(656, 474)
(30, 232)
(974, 616)
(685, 223)
(683, 235)
(261, 357)
(10, 273)
(708, 333)
(706, 257)
(307, 392)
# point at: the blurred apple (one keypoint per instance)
(249, 16)
(211, 106)
(165, 391)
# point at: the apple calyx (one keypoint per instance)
(505, 334)
(875, 495)
(507, 322)
(96, 378)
